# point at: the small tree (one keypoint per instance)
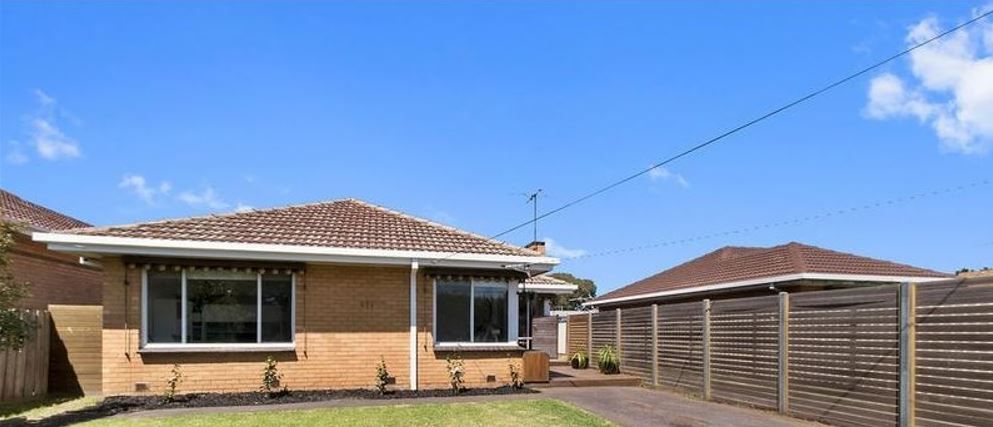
(173, 382)
(14, 328)
(456, 372)
(382, 376)
(515, 376)
(271, 378)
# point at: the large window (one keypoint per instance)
(217, 307)
(473, 311)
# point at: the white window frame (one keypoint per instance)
(210, 347)
(512, 316)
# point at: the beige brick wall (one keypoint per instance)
(346, 318)
(55, 277)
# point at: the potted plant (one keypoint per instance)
(607, 360)
(579, 360)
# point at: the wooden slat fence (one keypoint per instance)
(911, 354)
(636, 342)
(744, 348)
(577, 333)
(24, 372)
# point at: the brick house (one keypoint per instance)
(55, 277)
(737, 272)
(325, 288)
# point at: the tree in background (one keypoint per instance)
(13, 327)
(573, 301)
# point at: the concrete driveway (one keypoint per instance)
(635, 406)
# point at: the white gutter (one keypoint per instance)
(769, 280)
(258, 251)
(413, 325)
(548, 289)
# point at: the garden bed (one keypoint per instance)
(119, 404)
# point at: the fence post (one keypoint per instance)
(617, 335)
(908, 345)
(589, 335)
(784, 353)
(655, 345)
(706, 349)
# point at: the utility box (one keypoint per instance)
(535, 367)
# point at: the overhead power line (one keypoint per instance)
(794, 221)
(739, 128)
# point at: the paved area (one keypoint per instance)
(635, 406)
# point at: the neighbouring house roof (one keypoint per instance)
(544, 283)
(750, 265)
(16, 209)
(344, 228)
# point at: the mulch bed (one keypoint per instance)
(119, 404)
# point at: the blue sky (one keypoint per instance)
(123, 112)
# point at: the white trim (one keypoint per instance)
(448, 346)
(549, 289)
(513, 329)
(258, 307)
(413, 325)
(771, 280)
(183, 307)
(209, 348)
(254, 251)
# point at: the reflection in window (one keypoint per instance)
(453, 311)
(221, 307)
(471, 311)
(489, 311)
(165, 307)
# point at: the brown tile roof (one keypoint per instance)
(347, 223)
(545, 280)
(14, 208)
(731, 264)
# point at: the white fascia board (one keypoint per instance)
(548, 289)
(768, 281)
(255, 251)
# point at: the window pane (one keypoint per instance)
(276, 310)
(165, 308)
(453, 311)
(221, 307)
(490, 311)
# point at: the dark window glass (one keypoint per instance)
(453, 299)
(165, 307)
(490, 311)
(277, 323)
(221, 307)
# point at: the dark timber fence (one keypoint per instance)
(909, 354)
(24, 372)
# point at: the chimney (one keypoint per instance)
(537, 246)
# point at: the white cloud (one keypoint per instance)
(951, 89)
(242, 208)
(139, 186)
(660, 173)
(44, 133)
(208, 197)
(554, 249)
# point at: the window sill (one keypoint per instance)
(467, 347)
(216, 348)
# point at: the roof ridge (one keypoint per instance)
(438, 224)
(894, 263)
(799, 262)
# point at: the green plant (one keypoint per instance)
(175, 378)
(579, 360)
(456, 372)
(516, 381)
(382, 376)
(271, 378)
(607, 360)
(14, 328)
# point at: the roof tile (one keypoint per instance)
(14, 208)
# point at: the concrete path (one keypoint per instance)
(635, 406)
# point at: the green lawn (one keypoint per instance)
(517, 413)
(43, 408)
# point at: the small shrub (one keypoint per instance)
(271, 378)
(516, 381)
(382, 376)
(579, 360)
(608, 362)
(456, 372)
(175, 378)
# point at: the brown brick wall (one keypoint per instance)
(55, 278)
(346, 318)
